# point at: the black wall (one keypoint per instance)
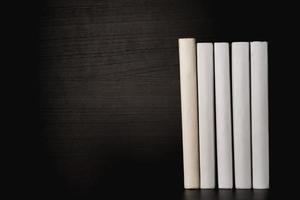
(100, 97)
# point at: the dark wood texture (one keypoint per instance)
(106, 97)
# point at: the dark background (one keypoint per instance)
(96, 97)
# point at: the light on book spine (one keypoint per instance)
(260, 121)
(206, 114)
(188, 89)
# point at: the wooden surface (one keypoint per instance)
(107, 96)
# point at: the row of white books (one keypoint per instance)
(224, 104)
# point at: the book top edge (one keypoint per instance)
(259, 42)
(199, 43)
(221, 43)
(185, 39)
(240, 43)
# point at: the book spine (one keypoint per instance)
(241, 114)
(206, 114)
(188, 89)
(260, 121)
(223, 115)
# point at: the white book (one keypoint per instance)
(260, 121)
(241, 114)
(206, 114)
(223, 115)
(188, 89)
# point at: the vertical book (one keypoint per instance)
(260, 121)
(241, 114)
(223, 115)
(206, 114)
(188, 90)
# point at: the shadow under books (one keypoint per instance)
(225, 194)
